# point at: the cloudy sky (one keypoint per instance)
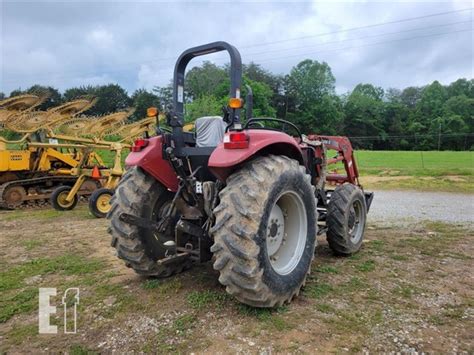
(135, 43)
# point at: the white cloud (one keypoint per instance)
(147, 77)
(100, 38)
(136, 43)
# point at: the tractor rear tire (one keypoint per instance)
(99, 202)
(58, 199)
(346, 217)
(143, 196)
(265, 231)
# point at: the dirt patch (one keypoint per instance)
(376, 179)
(408, 289)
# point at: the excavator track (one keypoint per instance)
(15, 193)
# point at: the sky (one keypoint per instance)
(135, 43)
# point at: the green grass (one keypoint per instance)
(108, 156)
(184, 322)
(325, 308)
(22, 332)
(80, 211)
(17, 298)
(203, 299)
(366, 266)
(164, 287)
(78, 349)
(69, 264)
(32, 244)
(318, 289)
(326, 269)
(267, 319)
(415, 163)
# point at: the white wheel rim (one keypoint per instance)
(356, 222)
(287, 228)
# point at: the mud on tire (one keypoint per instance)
(347, 212)
(241, 229)
(141, 195)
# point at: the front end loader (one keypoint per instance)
(248, 196)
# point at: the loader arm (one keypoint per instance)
(345, 154)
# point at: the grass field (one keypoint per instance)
(425, 171)
(416, 163)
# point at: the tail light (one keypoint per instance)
(139, 144)
(236, 140)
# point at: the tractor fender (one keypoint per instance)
(151, 160)
(223, 162)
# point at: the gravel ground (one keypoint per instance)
(411, 206)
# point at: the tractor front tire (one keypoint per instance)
(99, 202)
(143, 196)
(346, 217)
(265, 231)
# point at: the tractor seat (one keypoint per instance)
(209, 131)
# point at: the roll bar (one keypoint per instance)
(177, 120)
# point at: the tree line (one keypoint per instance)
(431, 117)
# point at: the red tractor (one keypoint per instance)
(248, 195)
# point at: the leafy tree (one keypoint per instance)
(205, 105)
(393, 95)
(54, 96)
(78, 92)
(205, 80)
(369, 90)
(460, 105)
(425, 117)
(262, 98)
(461, 87)
(2, 95)
(165, 96)
(363, 114)
(276, 83)
(458, 119)
(410, 96)
(428, 113)
(110, 98)
(311, 101)
(308, 82)
(141, 100)
(395, 119)
(17, 92)
(324, 117)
